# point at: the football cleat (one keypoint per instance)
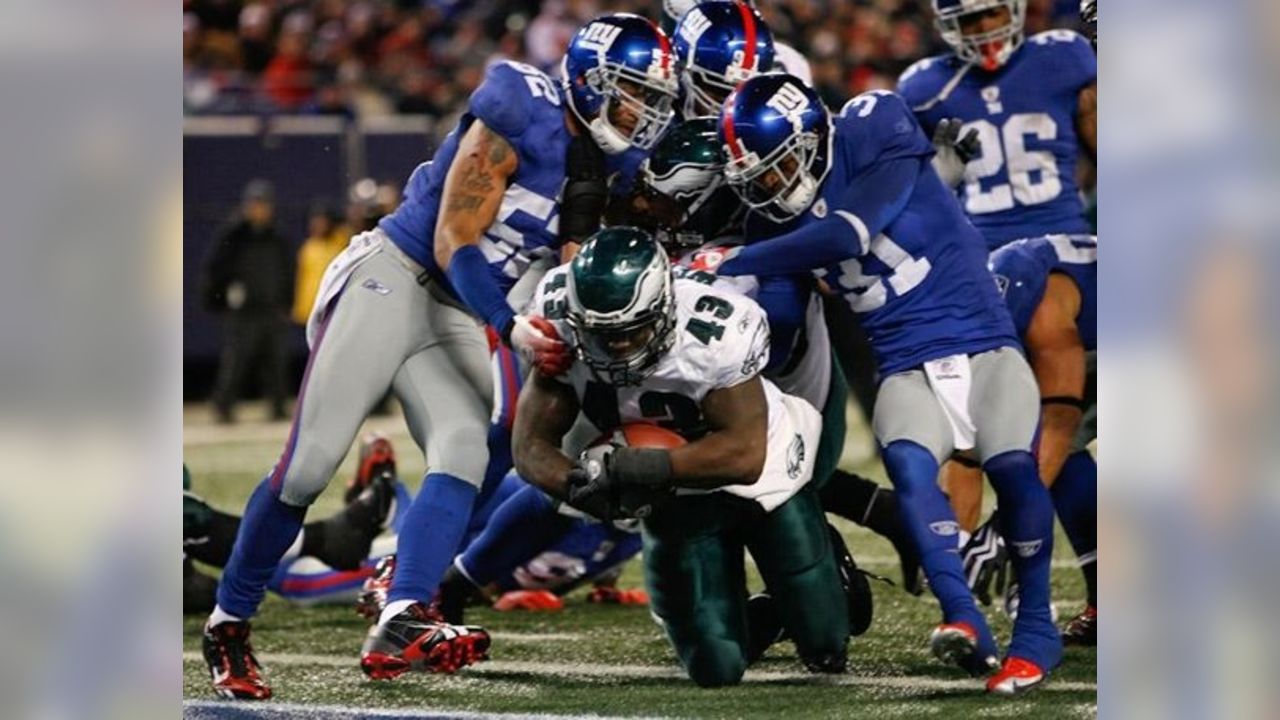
(856, 588)
(534, 600)
(764, 625)
(1083, 629)
(377, 462)
(611, 595)
(373, 594)
(957, 644)
(415, 639)
(1016, 676)
(233, 668)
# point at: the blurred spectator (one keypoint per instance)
(326, 238)
(288, 78)
(247, 278)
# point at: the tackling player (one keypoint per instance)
(471, 222)
(856, 199)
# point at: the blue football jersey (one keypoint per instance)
(525, 107)
(921, 287)
(1022, 271)
(1024, 182)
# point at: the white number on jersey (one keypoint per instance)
(865, 293)
(1007, 147)
(539, 84)
(864, 103)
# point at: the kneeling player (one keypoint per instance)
(688, 357)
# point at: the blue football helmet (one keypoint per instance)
(776, 135)
(718, 45)
(990, 49)
(621, 63)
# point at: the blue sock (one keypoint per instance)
(1026, 522)
(931, 523)
(500, 461)
(1075, 497)
(432, 530)
(487, 506)
(267, 529)
(525, 525)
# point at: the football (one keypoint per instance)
(637, 503)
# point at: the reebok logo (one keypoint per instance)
(375, 286)
(945, 528)
(1027, 548)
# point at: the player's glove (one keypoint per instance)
(538, 342)
(986, 562)
(612, 483)
(586, 190)
(953, 151)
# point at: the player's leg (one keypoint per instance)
(343, 380)
(961, 480)
(793, 551)
(915, 435)
(525, 525)
(697, 585)
(1005, 408)
(446, 390)
(1075, 499)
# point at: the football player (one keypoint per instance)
(1033, 104)
(471, 222)
(856, 199)
(1051, 287)
(684, 200)
(686, 356)
(785, 57)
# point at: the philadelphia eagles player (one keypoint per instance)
(650, 348)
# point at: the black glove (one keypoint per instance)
(612, 483)
(986, 562)
(586, 190)
(953, 151)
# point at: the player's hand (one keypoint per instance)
(591, 488)
(953, 151)
(538, 342)
(709, 259)
(986, 562)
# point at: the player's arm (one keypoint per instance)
(873, 200)
(545, 412)
(733, 452)
(1087, 120)
(473, 190)
(1058, 359)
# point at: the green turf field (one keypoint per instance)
(592, 660)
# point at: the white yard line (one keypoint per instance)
(598, 670)
(241, 709)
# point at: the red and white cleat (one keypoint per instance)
(611, 595)
(415, 639)
(233, 668)
(1016, 676)
(1083, 629)
(373, 594)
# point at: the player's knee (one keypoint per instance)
(910, 465)
(716, 663)
(308, 472)
(462, 455)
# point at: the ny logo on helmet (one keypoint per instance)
(600, 36)
(692, 26)
(790, 102)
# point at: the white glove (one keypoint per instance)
(953, 152)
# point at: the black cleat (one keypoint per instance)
(856, 587)
(234, 670)
(416, 639)
(1083, 629)
(764, 625)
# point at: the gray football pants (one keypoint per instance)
(1004, 403)
(386, 330)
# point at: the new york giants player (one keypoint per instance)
(419, 288)
(1033, 104)
(718, 45)
(856, 199)
(785, 57)
(1051, 287)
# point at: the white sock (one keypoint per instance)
(393, 609)
(219, 616)
(964, 538)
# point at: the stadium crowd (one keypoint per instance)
(380, 57)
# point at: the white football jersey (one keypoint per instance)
(807, 372)
(721, 340)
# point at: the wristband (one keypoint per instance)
(1074, 402)
(650, 467)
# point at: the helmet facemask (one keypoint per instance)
(783, 184)
(648, 97)
(624, 346)
(990, 49)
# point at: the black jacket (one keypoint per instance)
(259, 261)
